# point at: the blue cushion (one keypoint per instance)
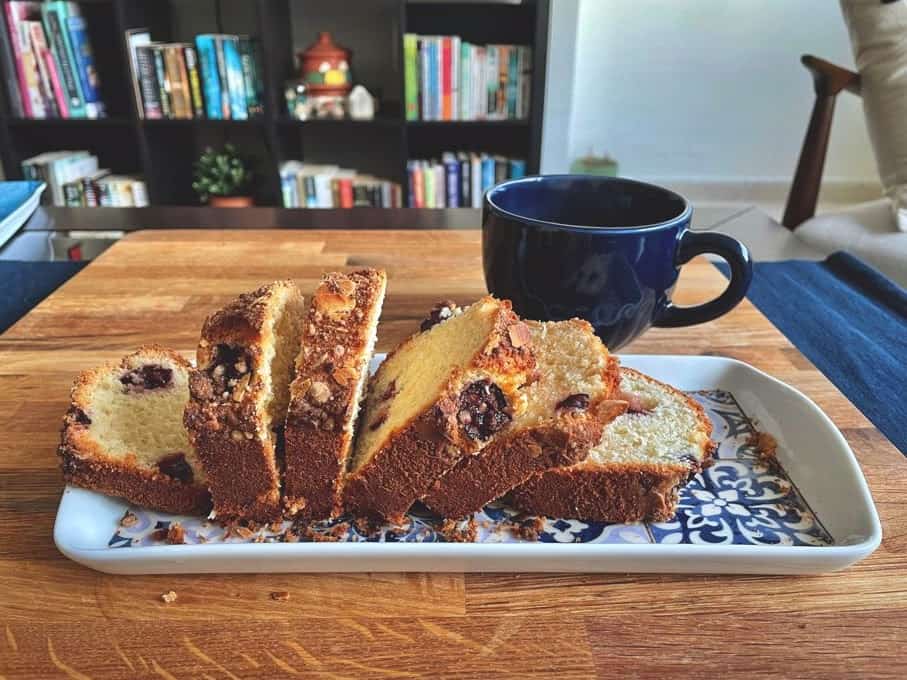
(851, 322)
(25, 284)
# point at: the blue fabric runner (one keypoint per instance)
(24, 284)
(851, 322)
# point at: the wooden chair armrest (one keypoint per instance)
(829, 79)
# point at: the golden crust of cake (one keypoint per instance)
(568, 406)
(338, 338)
(239, 394)
(438, 396)
(140, 454)
(614, 484)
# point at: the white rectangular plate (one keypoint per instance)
(742, 515)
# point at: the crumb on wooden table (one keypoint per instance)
(168, 597)
(280, 595)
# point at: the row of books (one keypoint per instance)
(74, 179)
(307, 185)
(458, 180)
(218, 77)
(446, 78)
(48, 61)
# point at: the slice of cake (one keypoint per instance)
(123, 434)
(567, 408)
(338, 338)
(239, 396)
(441, 394)
(635, 472)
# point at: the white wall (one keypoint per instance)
(704, 90)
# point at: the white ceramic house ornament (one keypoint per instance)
(361, 104)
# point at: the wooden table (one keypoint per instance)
(61, 619)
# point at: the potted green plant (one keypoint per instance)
(221, 178)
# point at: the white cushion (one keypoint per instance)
(866, 230)
(878, 36)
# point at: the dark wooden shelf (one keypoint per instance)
(468, 123)
(69, 122)
(201, 122)
(377, 121)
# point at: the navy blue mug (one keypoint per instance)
(608, 250)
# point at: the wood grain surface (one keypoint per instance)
(59, 619)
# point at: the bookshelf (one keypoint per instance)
(164, 150)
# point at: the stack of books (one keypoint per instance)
(74, 179)
(458, 180)
(48, 61)
(307, 185)
(218, 77)
(446, 78)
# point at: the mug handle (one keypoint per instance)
(693, 243)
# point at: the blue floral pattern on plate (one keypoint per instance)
(741, 499)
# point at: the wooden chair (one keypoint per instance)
(829, 80)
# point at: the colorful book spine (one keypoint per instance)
(195, 87)
(9, 67)
(207, 57)
(44, 60)
(252, 83)
(410, 76)
(55, 15)
(487, 173)
(512, 77)
(85, 65)
(465, 181)
(147, 79)
(517, 168)
(452, 182)
(13, 12)
(163, 83)
(419, 183)
(222, 76)
(32, 76)
(180, 106)
(235, 82)
(424, 70)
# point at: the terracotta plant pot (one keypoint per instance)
(230, 201)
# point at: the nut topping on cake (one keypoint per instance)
(319, 393)
(482, 410)
(519, 334)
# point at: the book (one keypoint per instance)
(446, 77)
(175, 74)
(54, 15)
(207, 57)
(475, 172)
(150, 105)
(500, 169)
(487, 173)
(90, 190)
(85, 64)
(20, 45)
(222, 77)
(33, 87)
(516, 168)
(451, 180)
(465, 180)
(424, 91)
(163, 83)
(252, 80)
(51, 93)
(410, 75)
(9, 67)
(419, 182)
(135, 38)
(190, 59)
(454, 78)
(235, 82)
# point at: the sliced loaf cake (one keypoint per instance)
(239, 397)
(567, 408)
(441, 394)
(634, 473)
(338, 338)
(123, 434)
